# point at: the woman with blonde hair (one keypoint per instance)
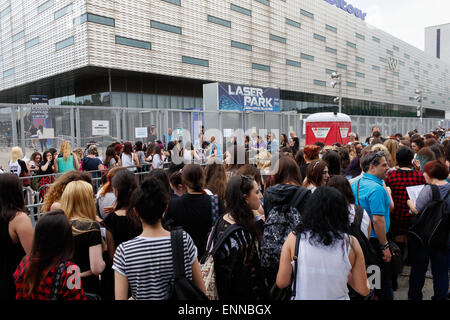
(54, 193)
(16, 165)
(77, 202)
(67, 160)
(392, 146)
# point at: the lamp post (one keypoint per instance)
(337, 77)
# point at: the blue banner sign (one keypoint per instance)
(348, 8)
(248, 98)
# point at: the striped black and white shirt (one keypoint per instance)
(148, 265)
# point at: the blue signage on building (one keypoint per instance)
(348, 8)
(248, 98)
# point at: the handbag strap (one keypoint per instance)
(357, 192)
(300, 194)
(214, 207)
(232, 228)
(56, 281)
(177, 243)
(297, 248)
(359, 212)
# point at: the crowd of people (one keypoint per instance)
(308, 231)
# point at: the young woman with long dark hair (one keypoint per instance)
(144, 265)
(50, 257)
(16, 232)
(236, 262)
(317, 175)
(111, 158)
(194, 210)
(328, 256)
(123, 223)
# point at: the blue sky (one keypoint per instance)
(405, 19)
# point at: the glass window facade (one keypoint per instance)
(377, 40)
(5, 11)
(177, 2)
(320, 83)
(306, 56)
(265, 2)
(360, 36)
(31, 43)
(293, 23)
(100, 19)
(330, 71)
(196, 61)
(133, 43)
(331, 28)
(165, 27)
(360, 74)
(351, 84)
(330, 50)
(341, 66)
(62, 12)
(351, 44)
(220, 21)
(65, 43)
(307, 13)
(320, 37)
(18, 36)
(241, 10)
(45, 6)
(359, 59)
(241, 45)
(376, 68)
(293, 63)
(277, 38)
(261, 67)
(8, 73)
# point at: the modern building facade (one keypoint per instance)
(159, 53)
(437, 41)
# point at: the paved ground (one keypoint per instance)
(403, 285)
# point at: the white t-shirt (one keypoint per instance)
(157, 162)
(128, 161)
(14, 167)
(365, 221)
(148, 265)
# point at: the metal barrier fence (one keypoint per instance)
(34, 201)
(77, 124)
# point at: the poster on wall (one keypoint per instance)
(248, 98)
(100, 127)
(141, 132)
(321, 132)
(40, 117)
(344, 132)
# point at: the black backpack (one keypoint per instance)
(370, 255)
(281, 221)
(431, 226)
(181, 288)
